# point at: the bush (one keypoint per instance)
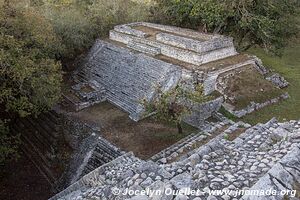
(106, 14)
(75, 30)
(268, 24)
(30, 75)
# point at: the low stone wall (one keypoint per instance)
(128, 30)
(177, 30)
(210, 83)
(176, 52)
(255, 106)
(201, 112)
(278, 80)
(194, 45)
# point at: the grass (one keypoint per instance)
(288, 66)
(249, 85)
(227, 114)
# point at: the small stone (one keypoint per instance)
(217, 180)
(262, 165)
(226, 197)
(135, 176)
(163, 160)
(211, 198)
(143, 175)
(147, 182)
(130, 182)
(181, 197)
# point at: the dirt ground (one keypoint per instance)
(21, 180)
(144, 138)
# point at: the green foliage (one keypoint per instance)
(266, 23)
(106, 14)
(289, 67)
(8, 144)
(75, 30)
(227, 114)
(172, 106)
(78, 22)
(30, 76)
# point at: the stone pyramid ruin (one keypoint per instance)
(264, 157)
(139, 59)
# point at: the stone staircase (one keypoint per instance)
(221, 164)
(82, 95)
(97, 177)
(103, 153)
(128, 78)
(189, 143)
(41, 140)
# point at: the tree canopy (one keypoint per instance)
(267, 23)
(30, 75)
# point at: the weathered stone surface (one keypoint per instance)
(230, 165)
(278, 80)
(129, 78)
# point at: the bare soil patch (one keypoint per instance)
(144, 138)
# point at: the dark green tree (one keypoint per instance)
(30, 75)
(267, 23)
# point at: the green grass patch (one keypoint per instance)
(288, 66)
(227, 114)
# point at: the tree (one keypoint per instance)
(30, 75)
(172, 106)
(267, 23)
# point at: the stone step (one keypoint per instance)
(154, 51)
(43, 168)
(226, 62)
(243, 160)
(38, 140)
(187, 144)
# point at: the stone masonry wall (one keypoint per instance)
(197, 49)
(129, 78)
(201, 112)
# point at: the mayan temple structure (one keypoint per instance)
(140, 59)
